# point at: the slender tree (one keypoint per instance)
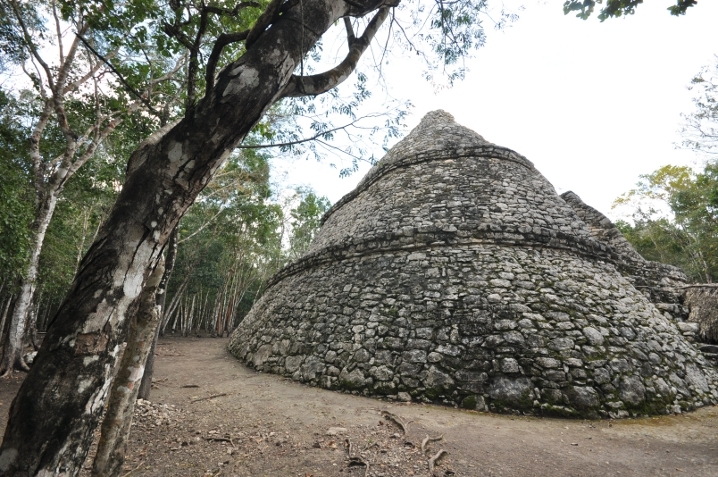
(73, 119)
(118, 416)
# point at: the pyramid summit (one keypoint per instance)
(455, 274)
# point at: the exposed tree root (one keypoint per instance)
(428, 439)
(134, 470)
(6, 369)
(399, 421)
(355, 460)
(433, 460)
(209, 397)
(219, 439)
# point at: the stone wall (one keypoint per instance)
(455, 274)
(703, 303)
(663, 284)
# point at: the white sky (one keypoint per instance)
(591, 104)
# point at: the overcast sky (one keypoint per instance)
(591, 104)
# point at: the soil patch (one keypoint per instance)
(212, 416)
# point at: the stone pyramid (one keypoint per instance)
(455, 274)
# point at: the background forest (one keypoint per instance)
(239, 232)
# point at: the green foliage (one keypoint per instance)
(448, 33)
(618, 8)
(230, 239)
(675, 219)
(16, 195)
(306, 220)
(83, 206)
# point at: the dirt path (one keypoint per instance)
(265, 425)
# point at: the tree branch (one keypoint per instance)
(351, 37)
(264, 20)
(59, 32)
(193, 64)
(307, 139)
(31, 46)
(75, 84)
(174, 31)
(323, 82)
(124, 82)
(223, 40)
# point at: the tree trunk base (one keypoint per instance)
(8, 365)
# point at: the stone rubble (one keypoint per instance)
(455, 274)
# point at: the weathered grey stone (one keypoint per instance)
(509, 365)
(437, 379)
(311, 367)
(333, 431)
(631, 390)
(548, 362)
(514, 392)
(362, 355)
(559, 344)
(351, 380)
(583, 398)
(454, 272)
(688, 327)
(261, 355)
(382, 373)
(595, 338)
(292, 363)
(414, 356)
(696, 378)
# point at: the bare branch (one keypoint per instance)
(36, 80)
(58, 96)
(323, 82)
(59, 31)
(308, 139)
(68, 62)
(99, 137)
(31, 45)
(171, 73)
(122, 80)
(75, 84)
(202, 227)
(351, 37)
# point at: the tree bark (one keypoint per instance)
(59, 404)
(146, 385)
(115, 432)
(5, 310)
(12, 353)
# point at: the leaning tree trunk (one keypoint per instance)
(170, 260)
(12, 353)
(59, 404)
(121, 403)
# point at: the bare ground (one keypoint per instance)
(212, 416)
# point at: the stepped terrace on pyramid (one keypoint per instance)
(455, 274)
